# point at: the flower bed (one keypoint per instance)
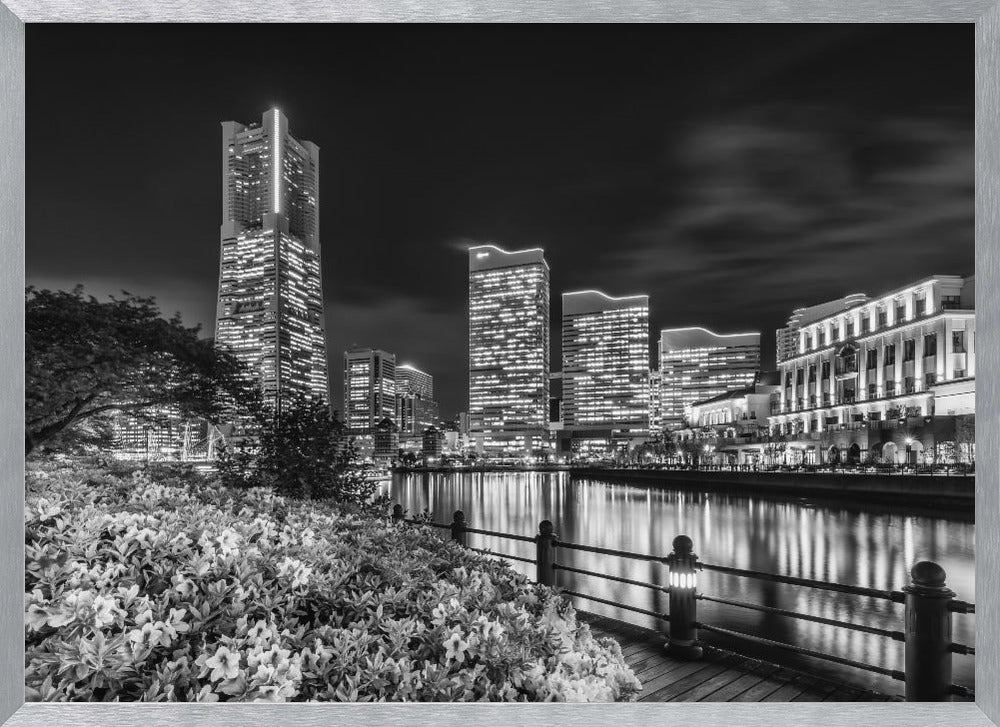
(178, 590)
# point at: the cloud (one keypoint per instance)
(803, 204)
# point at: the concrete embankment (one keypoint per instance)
(918, 490)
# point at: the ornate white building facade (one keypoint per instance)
(889, 380)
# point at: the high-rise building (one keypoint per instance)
(508, 350)
(655, 409)
(411, 380)
(270, 306)
(416, 409)
(369, 388)
(697, 364)
(788, 338)
(555, 404)
(605, 368)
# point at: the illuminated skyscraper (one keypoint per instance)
(655, 409)
(508, 350)
(605, 368)
(270, 309)
(697, 364)
(416, 409)
(369, 388)
(411, 380)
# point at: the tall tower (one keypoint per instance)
(605, 368)
(697, 364)
(270, 309)
(508, 350)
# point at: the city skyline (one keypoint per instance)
(776, 168)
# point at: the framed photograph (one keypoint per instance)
(634, 365)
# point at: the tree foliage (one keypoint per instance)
(301, 451)
(85, 358)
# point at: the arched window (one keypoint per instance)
(847, 360)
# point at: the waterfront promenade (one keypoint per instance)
(953, 491)
(719, 676)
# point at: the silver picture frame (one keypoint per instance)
(985, 14)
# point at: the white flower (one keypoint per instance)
(297, 569)
(228, 541)
(455, 648)
(183, 585)
(150, 634)
(225, 664)
(105, 611)
(36, 617)
(259, 630)
(45, 510)
(301, 576)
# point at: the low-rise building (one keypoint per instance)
(386, 440)
(433, 443)
(732, 427)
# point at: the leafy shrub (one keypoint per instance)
(186, 591)
(303, 452)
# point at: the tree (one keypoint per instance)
(85, 358)
(303, 451)
(775, 448)
(965, 438)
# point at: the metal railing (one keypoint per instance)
(928, 602)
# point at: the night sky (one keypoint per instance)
(733, 173)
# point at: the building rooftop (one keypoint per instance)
(488, 257)
(697, 337)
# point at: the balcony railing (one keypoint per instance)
(845, 368)
(918, 387)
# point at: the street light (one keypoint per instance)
(909, 443)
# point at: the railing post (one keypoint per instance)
(397, 513)
(683, 635)
(458, 533)
(928, 634)
(545, 543)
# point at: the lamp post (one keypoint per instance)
(683, 637)
(909, 444)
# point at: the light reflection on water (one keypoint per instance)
(833, 542)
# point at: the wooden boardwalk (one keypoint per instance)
(720, 676)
